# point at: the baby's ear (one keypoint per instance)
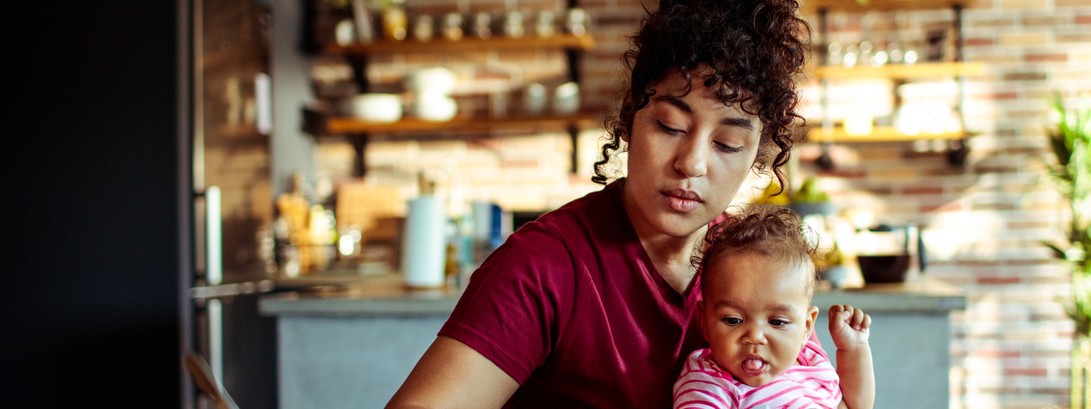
(812, 316)
(701, 319)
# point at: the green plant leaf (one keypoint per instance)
(1069, 139)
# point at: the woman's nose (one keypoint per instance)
(691, 160)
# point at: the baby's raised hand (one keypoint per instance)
(849, 326)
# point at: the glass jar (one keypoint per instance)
(513, 24)
(544, 25)
(452, 26)
(423, 28)
(576, 21)
(482, 25)
(395, 22)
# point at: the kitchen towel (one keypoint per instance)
(423, 252)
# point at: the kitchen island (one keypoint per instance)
(352, 344)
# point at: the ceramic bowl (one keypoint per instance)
(377, 107)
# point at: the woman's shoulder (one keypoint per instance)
(597, 210)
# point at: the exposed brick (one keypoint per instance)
(1035, 20)
(1025, 76)
(1053, 57)
(978, 41)
(990, 22)
(998, 280)
(1024, 4)
(1025, 371)
(1019, 38)
(1078, 38)
(1069, 3)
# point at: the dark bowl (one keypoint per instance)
(884, 269)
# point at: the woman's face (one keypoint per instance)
(757, 315)
(688, 154)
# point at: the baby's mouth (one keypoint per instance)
(753, 366)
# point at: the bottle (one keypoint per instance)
(422, 28)
(395, 21)
(452, 26)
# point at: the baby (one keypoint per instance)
(757, 281)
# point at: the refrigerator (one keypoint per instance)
(230, 244)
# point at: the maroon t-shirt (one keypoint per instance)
(572, 307)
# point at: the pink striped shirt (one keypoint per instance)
(813, 383)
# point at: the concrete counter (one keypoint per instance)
(351, 342)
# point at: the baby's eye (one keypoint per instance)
(777, 323)
(732, 321)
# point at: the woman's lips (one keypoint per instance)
(682, 200)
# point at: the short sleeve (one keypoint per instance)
(509, 310)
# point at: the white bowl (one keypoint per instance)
(566, 98)
(377, 107)
(433, 80)
(432, 107)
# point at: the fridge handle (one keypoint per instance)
(213, 236)
(214, 276)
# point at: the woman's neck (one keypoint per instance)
(672, 256)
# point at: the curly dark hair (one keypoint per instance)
(755, 49)
(772, 231)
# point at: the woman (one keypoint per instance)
(593, 304)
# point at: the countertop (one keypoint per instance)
(386, 296)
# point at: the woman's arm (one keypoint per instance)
(453, 375)
(849, 328)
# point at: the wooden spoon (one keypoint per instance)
(202, 376)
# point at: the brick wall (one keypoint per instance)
(981, 221)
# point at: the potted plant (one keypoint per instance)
(1069, 137)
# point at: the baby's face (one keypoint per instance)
(757, 315)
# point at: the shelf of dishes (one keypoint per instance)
(886, 5)
(466, 44)
(878, 134)
(321, 124)
(901, 71)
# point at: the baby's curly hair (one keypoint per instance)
(755, 48)
(771, 231)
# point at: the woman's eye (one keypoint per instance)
(667, 129)
(723, 147)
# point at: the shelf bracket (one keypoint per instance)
(574, 137)
(359, 160)
(573, 56)
(359, 71)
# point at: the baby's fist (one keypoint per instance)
(849, 326)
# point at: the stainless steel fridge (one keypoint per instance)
(230, 245)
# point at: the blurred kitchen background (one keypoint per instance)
(928, 114)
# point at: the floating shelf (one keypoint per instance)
(466, 44)
(336, 125)
(901, 71)
(878, 134)
(884, 5)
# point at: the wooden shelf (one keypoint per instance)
(467, 44)
(901, 71)
(878, 134)
(338, 125)
(883, 5)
